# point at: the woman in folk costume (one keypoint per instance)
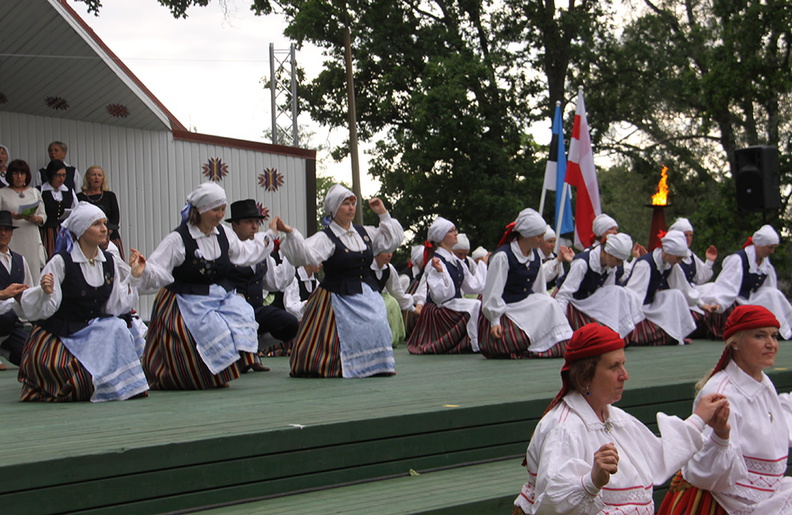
(521, 320)
(587, 456)
(697, 272)
(591, 291)
(344, 332)
(553, 263)
(666, 295)
(748, 277)
(744, 473)
(79, 349)
(448, 323)
(199, 325)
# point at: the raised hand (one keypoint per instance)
(712, 253)
(709, 404)
(47, 283)
(565, 254)
(377, 206)
(281, 225)
(137, 263)
(606, 463)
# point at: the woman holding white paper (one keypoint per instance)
(27, 209)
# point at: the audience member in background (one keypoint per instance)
(396, 300)
(57, 199)
(79, 349)
(57, 151)
(96, 191)
(252, 281)
(27, 210)
(14, 279)
(3, 165)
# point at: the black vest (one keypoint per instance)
(382, 281)
(196, 274)
(54, 208)
(520, 278)
(750, 282)
(10, 320)
(68, 182)
(592, 281)
(81, 302)
(249, 282)
(689, 269)
(658, 281)
(346, 270)
(457, 273)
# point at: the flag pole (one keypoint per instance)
(542, 201)
(560, 220)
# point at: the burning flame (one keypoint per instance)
(661, 197)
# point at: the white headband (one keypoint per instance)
(602, 223)
(765, 236)
(681, 224)
(463, 243)
(619, 245)
(530, 223)
(82, 217)
(549, 234)
(207, 196)
(439, 229)
(336, 196)
(675, 243)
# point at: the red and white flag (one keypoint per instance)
(582, 175)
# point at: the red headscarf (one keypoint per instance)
(588, 341)
(744, 318)
(427, 253)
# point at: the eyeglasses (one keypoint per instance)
(60, 175)
(18, 172)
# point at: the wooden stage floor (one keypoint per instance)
(64, 449)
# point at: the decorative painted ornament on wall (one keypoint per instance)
(215, 169)
(57, 103)
(262, 211)
(117, 110)
(271, 179)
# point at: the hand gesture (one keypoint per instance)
(496, 331)
(437, 265)
(638, 250)
(377, 206)
(12, 291)
(712, 253)
(485, 258)
(606, 462)
(47, 283)
(710, 308)
(281, 226)
(273, 224)
(565, 254)
(720, 422)
(418, 309)
(137, 263)
(709, 404)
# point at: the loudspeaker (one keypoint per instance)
(756, 178)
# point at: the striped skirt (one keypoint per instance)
(648, 334)
(513, 343)
(50, 373)
(48, 237)
(716, 322)
(171, 360)
(439, 331)
(685, 499)
(577, 318)
(316, 350)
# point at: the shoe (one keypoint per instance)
(258, 367)
(3, 366)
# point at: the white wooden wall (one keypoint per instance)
(151, 173)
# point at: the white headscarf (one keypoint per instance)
(675, 243)
(82, 217)
(480, 252)
(765, 236)
(602, 223)
(681, 224)
(463, 243)
(336, 196)
(619, 245)
(416, 255)
(439, 229)
(207, 196)
(549, 234)
(530, 223)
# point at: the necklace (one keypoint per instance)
(92, 200)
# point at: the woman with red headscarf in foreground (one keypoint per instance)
(746, 473)
(587, 456)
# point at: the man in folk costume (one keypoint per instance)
(591, 290)
(666, 294)
(252, 281)
(748, 277)
(14, 279)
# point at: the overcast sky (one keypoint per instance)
(207, 69)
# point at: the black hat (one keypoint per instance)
(242, 209)
(6, 220)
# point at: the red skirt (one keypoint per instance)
(685, 499)
(440, 331)
(171, 360)
(513, 343)
(577, 318)
(648, 334)
(50, 373)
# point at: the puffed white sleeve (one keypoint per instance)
(492, 303)
(421, 290)
(704, 271)
(394, 287)
(312, 251)
(160, 264)
(727, 285)
(291, 299)
(577, 271)
(441, 287)
(278, 277)
(248, 252)
(124, 296)
(35, 303)
(474, 282)
(387, 235)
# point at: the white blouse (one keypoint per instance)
(441, 287)
(641, 275)
(493, 305)
(727, 285)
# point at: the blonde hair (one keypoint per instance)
(726, 357)
(104, 186)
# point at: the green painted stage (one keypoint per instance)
(459, 423)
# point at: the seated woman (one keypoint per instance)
(744, 474)
(591, 291)
(697, 272)
(199, 325)
(79, 349)
(521, 320)
(748, 277)
(587, 456)
(344, 332)
(448, 323)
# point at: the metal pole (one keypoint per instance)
(273, 104)
(564, 195)
(295, 135)
(353, 141)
